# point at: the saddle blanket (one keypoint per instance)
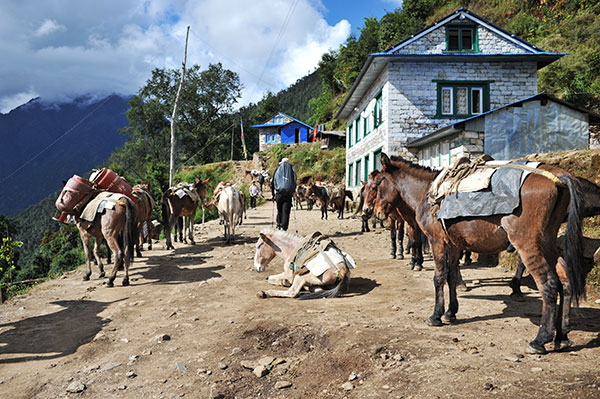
(500, 197)
(102, 201)
(183, 189)
(318, 265)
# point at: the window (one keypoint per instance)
(377, 159)
(461, 37)
(357, 130)
(378, 111)
(462, 99)
(366, 125)
(366, 175)
(271, 138)
(350, 135)
(357, 173)
(350, 173)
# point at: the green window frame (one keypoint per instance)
(462, 37)
(366, 125)
(366, 175)
(350, 135)
(377, 158)
(350, 172)
(357, 166)
(357, 130)
(462, 99)
(378, 111)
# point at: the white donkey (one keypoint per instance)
(318, 271)
(230, 210)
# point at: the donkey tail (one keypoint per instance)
(129, 230)
(340, 288)
(573, 252)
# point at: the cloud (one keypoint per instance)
(49, 26)
(10, 102)
(113, 45)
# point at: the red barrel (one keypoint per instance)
(76, 190)
(108, 180)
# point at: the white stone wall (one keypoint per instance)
(262, 143)
(435, 43)
(413, 93)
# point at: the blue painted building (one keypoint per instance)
(283, 129)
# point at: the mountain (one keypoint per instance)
(43, 144)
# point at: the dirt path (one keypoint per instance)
(191, 318)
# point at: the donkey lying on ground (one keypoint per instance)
(283, 244)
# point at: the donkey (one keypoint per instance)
(548, 197)
(273, 243)
(321, 194)
(143, 216)
(117, 227)
(231, 209)
(173, 207)
(338, 200)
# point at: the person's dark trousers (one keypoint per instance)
(284, 206)
(253, 201)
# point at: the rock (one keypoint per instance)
(215, 392)
(513, 359)
(130, 374)
(282, 384)
(398, 357)
(352, 376)
(180, 366)
(122, 387)
(598, 301)
(162, 337)
(222, 366)
(235, 351)
(110, 366)
(488, 386)
(266, 361)
(248, 364)
(348, 386)
(92, 368)
(536, 369)
(76, 387)
(260, 371)
(476, 282)
(124, 340)
(134, 357)
(277, 361)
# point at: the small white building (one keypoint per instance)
(457, 68)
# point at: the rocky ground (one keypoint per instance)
(190, 325)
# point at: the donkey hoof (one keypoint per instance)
(150, 247)
(463, 287)
(86, 276)
(392, 256)
(417, 268)
(102, 275)
(125, 282)
(535, 349)
(449, 318)
(562, 345)
(110, 283)
(434, 322)
(400, 255)
(261, 295)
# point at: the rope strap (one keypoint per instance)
(545, 173)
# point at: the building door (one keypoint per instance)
(297, 135)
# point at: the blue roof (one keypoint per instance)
(283, 124)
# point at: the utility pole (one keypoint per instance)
(172, 161)
(232, 128)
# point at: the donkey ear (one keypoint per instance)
(385, 162)
(262, 236)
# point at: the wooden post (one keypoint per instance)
(172, 161)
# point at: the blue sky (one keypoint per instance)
(62, 49)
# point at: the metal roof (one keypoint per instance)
(455, 127)
(283, 124)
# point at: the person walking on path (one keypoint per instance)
(284, 185)
(253, 189)
(261, 181)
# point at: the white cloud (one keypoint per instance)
(10, 102)
(49, 26)
(112, 46)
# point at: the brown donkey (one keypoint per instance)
(117, 227)
(532, 228)
(174, 207)
(143, 216)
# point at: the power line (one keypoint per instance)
(55, 141)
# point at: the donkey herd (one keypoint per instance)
(398, 193)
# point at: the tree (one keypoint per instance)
(206, 101)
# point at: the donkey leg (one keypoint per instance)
(119, 255)
(563, 326)
(439, 279)
(292, 292)
(515, 282)
(98, 259)
(149, 236)
(140, 240)
(190, 223)
(453, 274)
(400, 234)
(279, 279)
(86, 249)
(393, 240)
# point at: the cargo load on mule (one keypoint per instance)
(74, 196)
(108, 180)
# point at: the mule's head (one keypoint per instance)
(201, 186)
(386, 197)
(264, 253)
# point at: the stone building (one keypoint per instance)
(457, 68)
